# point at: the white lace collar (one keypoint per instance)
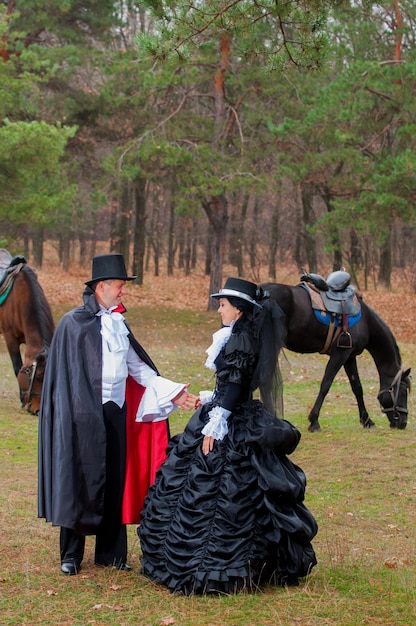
(219, 339)
(113, 329)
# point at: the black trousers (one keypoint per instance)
(111, 536)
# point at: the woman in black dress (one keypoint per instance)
(226, 512)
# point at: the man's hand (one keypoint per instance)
(185, 400)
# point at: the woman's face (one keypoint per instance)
(228, 312)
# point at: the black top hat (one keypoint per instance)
(238, 288)
(107, 267)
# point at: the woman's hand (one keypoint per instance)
(207, 444)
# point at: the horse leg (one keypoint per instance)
(351, 370)
(336, 361)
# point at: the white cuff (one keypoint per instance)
(217, 425)
(156, 404)
(205, 396)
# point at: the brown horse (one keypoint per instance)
(304, 334)
(26, 318)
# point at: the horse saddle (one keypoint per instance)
(9, 267)
(335, 304)
(336, 295)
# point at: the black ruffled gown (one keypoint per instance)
(233, 519)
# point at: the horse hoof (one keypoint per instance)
(314, 428)
(369, 424)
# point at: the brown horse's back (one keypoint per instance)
(25, 315)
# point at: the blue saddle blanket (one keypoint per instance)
(325, 318)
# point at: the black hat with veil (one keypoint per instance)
(268, 323)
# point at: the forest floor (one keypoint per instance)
(361, 482)
(181, 292)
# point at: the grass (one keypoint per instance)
(361, 489)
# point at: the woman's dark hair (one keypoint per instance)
(242, 305)
(269, 323)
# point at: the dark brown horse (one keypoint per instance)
(26, 318)
(305, 334)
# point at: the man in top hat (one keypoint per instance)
(82, 423)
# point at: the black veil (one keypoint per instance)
(269, 324)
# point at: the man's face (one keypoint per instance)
(109, 293)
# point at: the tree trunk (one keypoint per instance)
(181, 243)
(194, 243)
(252, 244)
(308, 220)
(217, 212)
(113, 227)
(83, 247)
(337, 261)
(26, 244)
(147, 256)
(236, 239)
(188, 247)
(140, 196)
(355, 247)
(156, 259)
(298, 251)
(216, 207)
(172, 245)
(208, 250)
(120, 241)
(384, 275)
(37, 247)
(65, 241)
(334, 234)
(154, 239)
(274, 241)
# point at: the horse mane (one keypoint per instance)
(377, 325)
(40, 309)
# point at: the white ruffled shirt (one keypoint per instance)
(219, 339)
(217, 425)
(120, 360)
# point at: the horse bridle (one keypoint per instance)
(30, 370)
(393, 389)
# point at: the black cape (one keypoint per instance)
(72, 436)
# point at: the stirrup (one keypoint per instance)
(344, 340)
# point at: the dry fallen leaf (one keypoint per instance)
(115, 607)
(167, 621)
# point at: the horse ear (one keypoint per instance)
(407, 372)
